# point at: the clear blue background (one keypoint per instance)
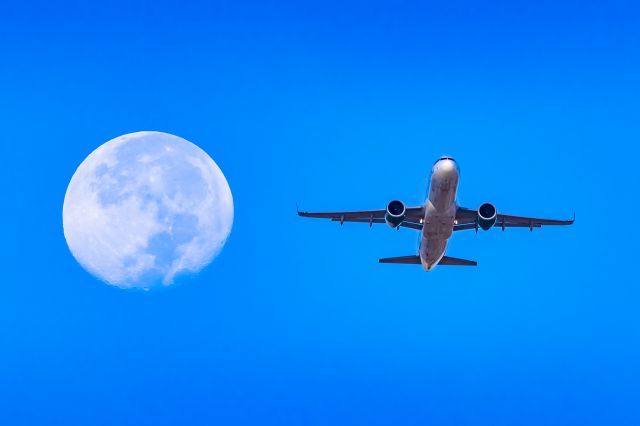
(335, 106)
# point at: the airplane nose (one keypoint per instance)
(447, 165)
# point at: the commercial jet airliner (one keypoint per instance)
(438, 218)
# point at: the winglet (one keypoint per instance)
(303, 214)
(570, 221)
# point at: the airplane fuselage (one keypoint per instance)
(440, 212)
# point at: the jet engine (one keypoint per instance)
(487, 216)
(395, 213)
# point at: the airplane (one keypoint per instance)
(437, 219)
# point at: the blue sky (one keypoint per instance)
(333, 106)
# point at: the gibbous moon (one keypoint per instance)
(146, 207)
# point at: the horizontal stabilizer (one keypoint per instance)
(407, 260)
(415, 260)
(446, 260)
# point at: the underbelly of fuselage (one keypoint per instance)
(440, 213)
(438, 227)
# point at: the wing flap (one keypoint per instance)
(371, 221)
(497, 225)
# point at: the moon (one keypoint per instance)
(145, 208)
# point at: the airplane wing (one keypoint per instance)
(412, 220)
(466, 219)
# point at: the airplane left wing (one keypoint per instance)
(413, 216)
(467, 219)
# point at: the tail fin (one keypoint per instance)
(415, 260)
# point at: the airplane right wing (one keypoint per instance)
(467, 219)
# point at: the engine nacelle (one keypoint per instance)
(487, 216)
(395, 214)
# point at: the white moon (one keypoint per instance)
(146, 207)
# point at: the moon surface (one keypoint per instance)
(145, 208)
